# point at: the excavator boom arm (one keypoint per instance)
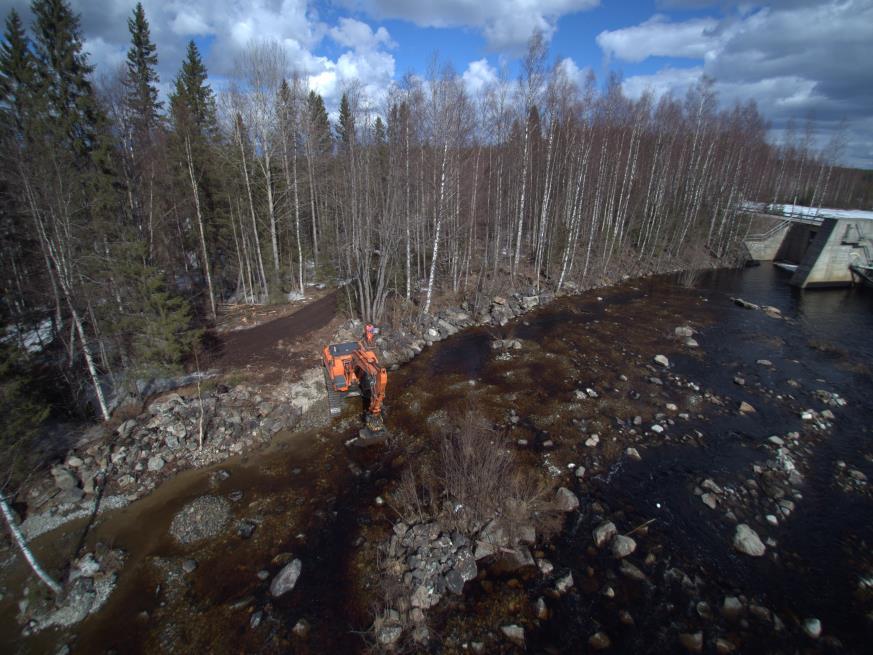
(366, 361)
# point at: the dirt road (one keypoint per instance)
(272, 342)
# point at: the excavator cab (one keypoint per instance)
(352, 369)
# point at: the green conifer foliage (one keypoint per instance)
(17, 75)
(379, 132)
(20, 414)
(161, 326)
(320, 123)
(142, 78)
(192, 102)
(72, 114)
(345, 130)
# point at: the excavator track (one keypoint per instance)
(334, 398)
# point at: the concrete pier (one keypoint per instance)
(823, 248)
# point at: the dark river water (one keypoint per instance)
(310, 497)
(825, 547)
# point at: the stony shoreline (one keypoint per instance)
(164, 440)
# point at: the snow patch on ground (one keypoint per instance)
(808, 212)
(32, 340)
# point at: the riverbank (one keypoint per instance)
(548, 383)
(193, 427)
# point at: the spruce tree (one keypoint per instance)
(379, 132)
(21, 413)
(381, 143)
(345, 129)
(142, 78)
(192, 145)
(149, 322)
(162, 329)
(192, 102)
(17, 75)
(72, 111)
(320, 123)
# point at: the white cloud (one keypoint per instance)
(189, 21)
(795, 59)
(356, 34)
(658, 37)
(232, 25)
(478, 76)
(506, 24)
(572, 71)
(667, 80)
(110, 55)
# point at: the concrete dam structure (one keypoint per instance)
(822, 247)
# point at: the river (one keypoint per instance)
(318, 501)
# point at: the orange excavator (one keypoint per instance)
(352, 369)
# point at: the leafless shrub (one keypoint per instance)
(479, 480)
(474, 470)
(401, 313)
(474, 479)
(414, 499)
(689, 277)
(526, 502)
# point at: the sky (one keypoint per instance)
(800, 60)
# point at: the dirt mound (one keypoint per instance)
(200, 519)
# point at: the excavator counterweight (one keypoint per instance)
(351, 369)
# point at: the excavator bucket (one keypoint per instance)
(374, 431)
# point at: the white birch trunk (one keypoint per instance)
(195, 190)
(436, 236)
(251, 200)
(18, 537)
(517, 254)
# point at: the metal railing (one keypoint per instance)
(781, 225)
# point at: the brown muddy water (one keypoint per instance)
(314, 499)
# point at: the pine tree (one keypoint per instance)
(142, 78)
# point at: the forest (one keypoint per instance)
(129, 220)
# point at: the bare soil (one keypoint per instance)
(281, 347)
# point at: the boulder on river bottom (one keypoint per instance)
(286, 579)
(747, 541)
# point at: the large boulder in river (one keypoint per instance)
(747, 541)
(604, 533)
(622, 546)
(202, 518)
(286, 578)
(566, 500)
